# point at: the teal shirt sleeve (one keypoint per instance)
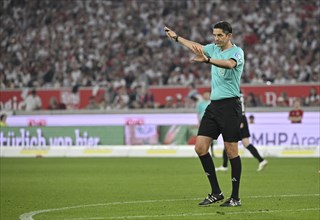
(208, 49)
(238, 56)
(198, 107)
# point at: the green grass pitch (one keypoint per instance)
(153, 188)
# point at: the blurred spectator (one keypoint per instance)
(280, 79)
(190, 102)
(102, 104)
(92, 104)
(175, 77)
(252, 101)
(295, 115)
(148, 99)
(55, 105)
(106, 101)
(32, 101)
(122, 43)
(313, 99)
(72, 100)
(3, 120)
(192, 96)
(121, 98)
(119, 103)
(251, 119)
(169, 102)
(136, 97)
(179, 101)
(192, 90)
(282, 100)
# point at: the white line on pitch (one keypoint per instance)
(29, 215)
(195, 214)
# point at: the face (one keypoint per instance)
(221, 39)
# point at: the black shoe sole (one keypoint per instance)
(219, 201)
(229, 205)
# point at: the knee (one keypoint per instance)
(232, 154)
(232, 151)
(202, 145)
(200, 150)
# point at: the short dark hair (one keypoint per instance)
(224, 26)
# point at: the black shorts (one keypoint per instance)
(244, 131)
(222, 117)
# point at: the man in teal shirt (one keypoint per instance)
(201, 107)
(224, 112)
(202, 104)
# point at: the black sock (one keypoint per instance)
(225, 158)
(254, 152)
(208, 166)
(235, 176)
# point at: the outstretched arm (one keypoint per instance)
(198, 50)
(187, 43)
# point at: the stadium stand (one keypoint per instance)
(115, 44)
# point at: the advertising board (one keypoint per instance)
(148, 135)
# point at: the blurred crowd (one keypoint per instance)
(120, 45)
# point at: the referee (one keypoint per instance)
(223, 114)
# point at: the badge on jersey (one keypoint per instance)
(238, 56)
